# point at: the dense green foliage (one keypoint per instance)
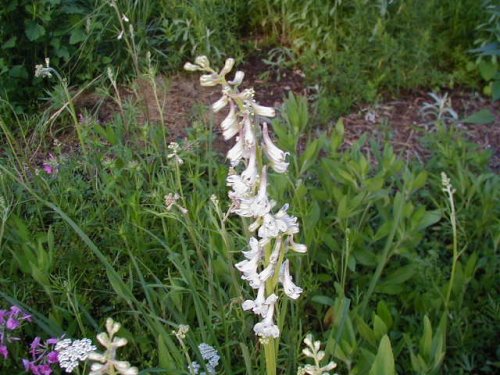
(354, 50)
(81, 37)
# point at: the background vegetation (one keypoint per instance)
(93, 238)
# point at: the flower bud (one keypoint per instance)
(203, 62)
(191, 67)
(227, 67)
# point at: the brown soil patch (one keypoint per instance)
(400, 121)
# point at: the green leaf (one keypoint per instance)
(439, 342)
(482, 117)
(384, 313)
(384, 360)
(470, 266)
(426, 340)
(77, 35)
(34, 30)
(10, 43)
(323, 300)
(399, 276)
(337, 137)
(379, 327)
(429, 218)
(18, 71)
(63, 53)
(164, 356)
(495, 90)
(487, 69)
(366, 332)
(310, 155)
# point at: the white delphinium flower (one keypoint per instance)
(237, 152)
(107, 363)
(243, 185)
(258, 306)
(248, 269)
(238, 78)
(230, 126)
(266, 328)
(258, 205)
(275, 155)
(71, 353)
(290, 289)
(313, 351)
(297, 247)
(264, 265)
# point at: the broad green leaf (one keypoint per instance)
(428, 219)
(470, 266)
(18, 71)
(366, 332)
(10, 43)
(439, 343)
(77, 35)
(425, 344)
(487, 69)
(482, 117)
(420, 180)
(379, 327)
(34, 31)
(310, 155)
(314, 214)
(384, 313)
(164, 357)
(337, 137)
(399, 276)
(384, 360)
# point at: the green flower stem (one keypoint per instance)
(456, 253)
(270, 355)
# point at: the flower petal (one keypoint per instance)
(261, 110)
(209, 80)
(238, 78)
(290, 289)
(191, 67)
(227, 67)
(221, 103)
(202, 61)
(230, 126)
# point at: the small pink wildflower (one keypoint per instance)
(50, 165)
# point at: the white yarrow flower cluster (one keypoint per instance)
(264, 265)
(107, 363)
(71, 353)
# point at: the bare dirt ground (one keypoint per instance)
(399, 121)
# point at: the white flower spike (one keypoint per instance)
(262, 268)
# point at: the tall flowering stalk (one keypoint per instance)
(251, 158)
